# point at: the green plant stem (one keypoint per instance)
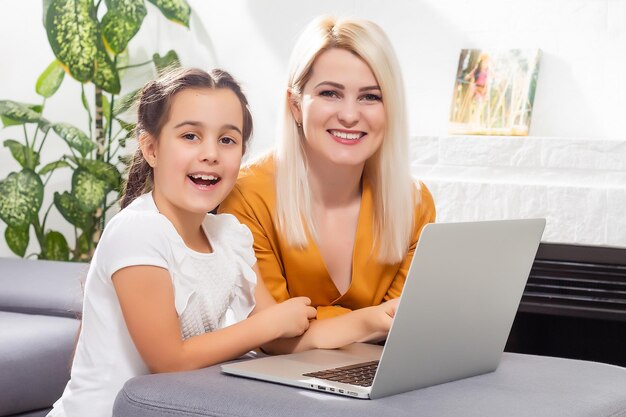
(120, 130)
(73, 155)
(43, 105)
(26, 136)
(39, 232)
(45, 216)
(110, 205)
(115, 151)
(110, 128)
(110, 123)
(100, 139)
(134, 65)
(89, 118)
(108, 147)
(76, 250)
(42, 142)
(47, 179)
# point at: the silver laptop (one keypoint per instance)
(462, 291)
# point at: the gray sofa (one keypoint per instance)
(40, 307)
(40, 304)
(522, 386)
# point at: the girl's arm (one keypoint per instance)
(363, 325)
(146, 297)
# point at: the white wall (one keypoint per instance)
(579, 95)
(581, 80)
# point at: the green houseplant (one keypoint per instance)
(89, 39)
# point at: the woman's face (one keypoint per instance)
(341, 110)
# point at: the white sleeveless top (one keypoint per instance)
(211, 291)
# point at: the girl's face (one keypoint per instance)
(341, 110)
(197, 156)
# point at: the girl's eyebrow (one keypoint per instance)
(342, 87)
(188, 122)
(232, 127)
(195, 123)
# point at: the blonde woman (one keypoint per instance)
(334, 211)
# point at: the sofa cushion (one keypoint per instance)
(35, 359)
(42, 287)
(523, 385)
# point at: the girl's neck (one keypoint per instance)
(188, 225)
(334, 185)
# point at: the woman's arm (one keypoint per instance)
(146, 297)
(363, 325)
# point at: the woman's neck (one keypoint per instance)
(334, 185)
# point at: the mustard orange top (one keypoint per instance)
(292, 272)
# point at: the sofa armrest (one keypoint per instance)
(42, 287)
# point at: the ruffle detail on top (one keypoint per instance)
(214, 290)
(237, 238)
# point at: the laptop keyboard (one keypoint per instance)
(361, 374)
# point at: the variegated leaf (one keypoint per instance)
(89, 190)
(73, 34)
(50, 80)
(122, 22)
(25, 156)
(75, 138)
(55, 247)
(106, 76)
(174, 10)
(102, 170)
(21, 195)
(70, 209)
(17, 239)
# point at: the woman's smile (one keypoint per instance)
(347, 137)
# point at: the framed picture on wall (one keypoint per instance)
(494, 92)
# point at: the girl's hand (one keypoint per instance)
(291, 317)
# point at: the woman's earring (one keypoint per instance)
(299, 125)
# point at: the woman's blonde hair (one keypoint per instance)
(387, 171)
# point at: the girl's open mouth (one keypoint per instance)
(204, 180)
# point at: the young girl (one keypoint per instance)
(170, 287)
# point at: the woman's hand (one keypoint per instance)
(379, 320)
(291, 317)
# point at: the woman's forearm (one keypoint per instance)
(356, 326)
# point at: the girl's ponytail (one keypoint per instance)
(139, 179)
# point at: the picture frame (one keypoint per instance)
(494, 92)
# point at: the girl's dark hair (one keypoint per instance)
(153, 109)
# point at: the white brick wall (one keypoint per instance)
(578, 185)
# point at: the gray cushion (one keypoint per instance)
(523, 385)
(37, 413)
(42, 287)
(35, 360)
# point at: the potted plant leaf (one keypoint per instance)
(89, 40)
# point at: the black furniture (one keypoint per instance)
(574, 305)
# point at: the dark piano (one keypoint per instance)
(574, 305)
